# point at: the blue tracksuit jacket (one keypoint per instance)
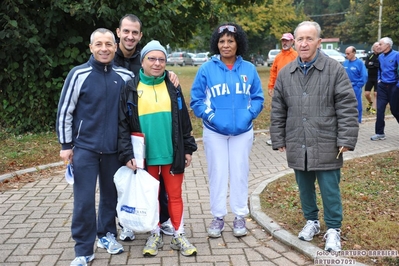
(87, 114)
(227, 100)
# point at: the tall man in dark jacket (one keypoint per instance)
(129, 47)
(372, 64)
(128, 56)
(314, 119)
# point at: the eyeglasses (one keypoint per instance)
(154, 59)
(228, 27)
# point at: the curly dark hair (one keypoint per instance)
(239, 35)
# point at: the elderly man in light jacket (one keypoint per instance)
(314, 119)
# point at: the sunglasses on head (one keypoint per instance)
(228, 27)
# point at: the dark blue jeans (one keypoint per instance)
(386, 93)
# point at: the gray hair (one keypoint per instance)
(387, 40)
(103, 31)
(309, 23)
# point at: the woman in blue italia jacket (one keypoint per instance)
(227, 94)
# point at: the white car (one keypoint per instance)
(361, 54)
(334, 54)
(271, 55)
(200, 58)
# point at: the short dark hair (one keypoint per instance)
(103, 31)
(240, 37)
(132, 18)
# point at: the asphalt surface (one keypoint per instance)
(35, 219)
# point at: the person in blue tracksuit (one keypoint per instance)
(227, 94)
(87, 129)
(388, 86)
(357, 74)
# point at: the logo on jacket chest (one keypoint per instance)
(223, 89)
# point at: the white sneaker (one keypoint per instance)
(269, 142)
(82, 260)
(167, 228)
(109, 243)
(310, 229)
(126, 235)
(333, 240)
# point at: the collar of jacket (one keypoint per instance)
(387, 53)
(151, 80)
(134, 55)
(101, 67)
(318, 62)
(217, 58)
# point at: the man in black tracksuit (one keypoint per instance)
(372, 64)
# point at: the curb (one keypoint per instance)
(29, 170)
(271, 226)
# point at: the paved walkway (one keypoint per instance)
(35, 219)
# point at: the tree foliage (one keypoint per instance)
(42, 40)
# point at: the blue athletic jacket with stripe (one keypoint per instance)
(87, 114)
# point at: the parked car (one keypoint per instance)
(361, 54)
(257, 59)
(200, 58)
(180, 58)
(271, 55)
(334, 54)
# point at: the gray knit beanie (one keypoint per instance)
(152, 46)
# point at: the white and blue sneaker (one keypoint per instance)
(126, 235)
(82, 260)
(109, 243)
(333, 240)
(311, 229)
(167, 228)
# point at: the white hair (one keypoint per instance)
(309, 23)
(387, 40)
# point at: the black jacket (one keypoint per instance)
(372, 64)
(183, 141)
(133, 63)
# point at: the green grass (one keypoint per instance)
(29, 150)
(370, 198)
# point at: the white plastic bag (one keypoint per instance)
(138, 207)
(138, 143)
